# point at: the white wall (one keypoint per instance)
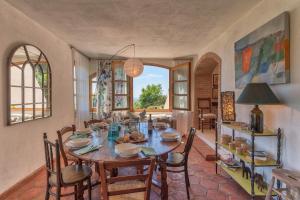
(286, 116)
(21, 147)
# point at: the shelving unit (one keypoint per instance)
(248, 185)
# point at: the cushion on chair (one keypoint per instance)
(175, 158)
(208, 116)
(72, 174)
(127, 185)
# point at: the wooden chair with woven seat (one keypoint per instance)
(205, 113)
(70, 176)
(68, 130)
(92, 121)
(180, 159)
(68, 159)
(133, 187)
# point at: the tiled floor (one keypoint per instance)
(205, 184)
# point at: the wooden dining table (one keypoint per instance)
(107, 151)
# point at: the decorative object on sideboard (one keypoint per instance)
(257, 94)
(259, 180)
(228, 106)
(263, 55)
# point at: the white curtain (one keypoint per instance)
(81, 67)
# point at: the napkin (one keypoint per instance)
(87, 149)
(148, 151)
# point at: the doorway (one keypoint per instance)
(207, 76)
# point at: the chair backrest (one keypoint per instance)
(145, 178)
(60, 134)
(52, 157)
(92, 121)
(189, 142)
(204, 104)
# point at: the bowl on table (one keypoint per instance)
(169, 136)
(161, 125)
(78, 142)
(85, 131)
(127, 149)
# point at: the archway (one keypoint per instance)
(207, 79)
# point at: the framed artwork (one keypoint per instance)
(263, 55)
(228, 106)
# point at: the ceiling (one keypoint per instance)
(159, 28)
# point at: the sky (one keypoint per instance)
(151, 75)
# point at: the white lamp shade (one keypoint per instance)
(133, 67)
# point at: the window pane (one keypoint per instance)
(180, 88)
(38, 76)
(181, 74)
(120, 74)
(38, 95)
(180, 102)
(94, 86)
(19, 57)
(38, 111)
(16, 95)
(15, 76)
(121, 102)
(28, 75)
(33, 53)
(28, 112)
(121, 88)
(15, 113)
(94, 101)
(46, 75)
(28, 95)
(46, 110)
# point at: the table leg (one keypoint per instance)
(163, 171)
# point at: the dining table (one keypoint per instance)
(106, 152)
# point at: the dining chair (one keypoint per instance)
(205, 113)
(180, 159)
(67, 130)
(92, 121)
(70, 176)
(134, 187)
(67, 158)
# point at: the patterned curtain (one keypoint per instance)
(104, 89)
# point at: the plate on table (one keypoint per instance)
(78, 142)
(127, 150)
(169, 136)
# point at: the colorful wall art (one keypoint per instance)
(263, 55)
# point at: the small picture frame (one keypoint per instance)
(215, 80)
(214, 94)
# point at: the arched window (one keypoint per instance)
(29, 85)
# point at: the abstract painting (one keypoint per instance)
(263, 55)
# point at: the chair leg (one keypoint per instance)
(187, 181)
(89, 189)
(58, 192)
(47, 196)
(202, 123)
(186, 173)
(75, 192)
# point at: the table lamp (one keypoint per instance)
(257, 94)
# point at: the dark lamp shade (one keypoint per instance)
(257, 94)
